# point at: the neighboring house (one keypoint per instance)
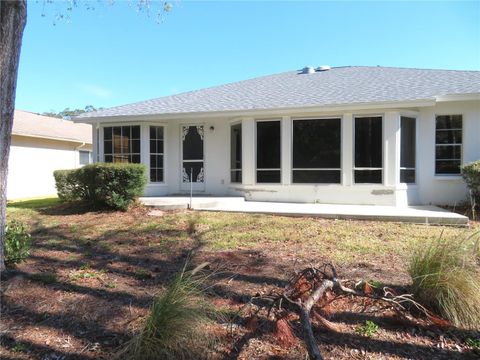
(343, 135)
(40, 145)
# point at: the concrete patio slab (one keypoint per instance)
(413, 214)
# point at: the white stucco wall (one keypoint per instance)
(429, 189)
(32, 162)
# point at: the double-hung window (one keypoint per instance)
(268, 151)
(236, 153)
(368, 150)
(316, 151)
(156, 153)
(448, 144)
(121, 144)
(407, 149)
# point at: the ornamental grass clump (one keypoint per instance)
(446, 279)
(176, 325)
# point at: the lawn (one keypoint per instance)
(91, 278)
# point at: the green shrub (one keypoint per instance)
(175, 327)
(102, 185)
(446, 280)
(471, 175)
(17, 242)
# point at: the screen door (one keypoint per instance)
(193, 157)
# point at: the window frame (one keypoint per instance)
(354, 168)
(324, 117)
(446, 175)
(121, 125)
(90, 157)
(416, 151)
(150, 153)
(279, 120)
(235, 123)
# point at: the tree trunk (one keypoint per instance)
(13, 17)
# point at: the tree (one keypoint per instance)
(67, 113)
(13, 18)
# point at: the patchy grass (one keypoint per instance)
(107, 268)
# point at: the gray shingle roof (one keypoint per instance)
(340, 85)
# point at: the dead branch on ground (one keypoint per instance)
(305, 290)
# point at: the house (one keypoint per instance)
(340, 135)
(40, 145)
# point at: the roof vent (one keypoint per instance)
(308, 70)
(323, 68)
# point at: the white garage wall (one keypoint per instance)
(32, 162)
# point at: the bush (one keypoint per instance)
(17, 242)
(102, 185)
(471, 175)
(446, 280)
(174, 329)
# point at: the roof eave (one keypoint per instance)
(75, 141)
(260, 112)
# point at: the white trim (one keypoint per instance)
(233, 123)
(354, 168)
(292, 169)
(458, 97)
(279, 120)
(440, 175)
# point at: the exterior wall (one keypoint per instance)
(32, 162)
(428, 188)
(445, 189)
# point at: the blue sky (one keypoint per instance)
(114, 55)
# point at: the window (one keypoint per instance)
(156, 153)
(268, 151)
(236, 153)
(448, 144)
(407, 149)
(368, 150)
(316, 151)
(121, 144)
(84, 157)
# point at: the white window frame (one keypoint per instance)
(354, 168)
(440, 175)
(256, 152)
(102, 132)
(416, 150)
(340, 118)
(163, 153)
(230, 147)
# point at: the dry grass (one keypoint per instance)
(446, 279)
